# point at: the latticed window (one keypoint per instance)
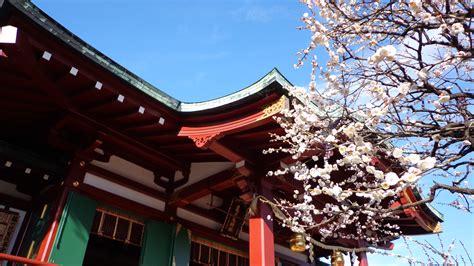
(117, 227)
(8, 222)
(204, 252)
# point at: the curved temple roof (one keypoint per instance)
(45, 21)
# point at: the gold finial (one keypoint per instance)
(337, 259)
(297, 242)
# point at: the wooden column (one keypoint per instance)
(47, 242)
(261, 242)
(362, 256)
(74, 178)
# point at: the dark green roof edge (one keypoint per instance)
(52, 26)
(273, 76)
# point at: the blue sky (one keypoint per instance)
(192, 50)
(200, 50)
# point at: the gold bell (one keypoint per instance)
(337, 259)
(297, 242)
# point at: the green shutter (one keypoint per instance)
(165, 244)
(182, 247)
(157, 242)
(73, 233)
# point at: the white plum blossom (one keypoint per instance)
(391, 178)
(412, 175)
(414, 158)
(423, 74)
(397, 153)
(443, 98)
(378, 174)
(404, 88)
(330, 138)
(457, 28)
(397, 106)
(383, 53)
(426, 164)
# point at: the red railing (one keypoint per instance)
(12, 258)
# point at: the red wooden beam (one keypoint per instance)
(260, 133)
(23, 260)
(23, 53)
(206, 137)
(121, 202)
(125, 182)
(131, 145)
(103, 105)
(67, 56)
(18, 94)
(227, 127)
(200, 157)
(226, 152)
(261, 242)
(164, 137)
(216, 182)
(128, 114)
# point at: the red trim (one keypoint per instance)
(363, 261)
(47, 243)
(12, 258)
(261, 242)
(206, 136)
(240, 124)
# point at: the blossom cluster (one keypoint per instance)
(398, 104)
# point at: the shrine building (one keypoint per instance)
(99, 167)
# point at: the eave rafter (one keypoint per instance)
(113, 137)
(101, 105)
(73, 68)
(28, 60)
(213, 183)
(23, 53)
(101, 80)
(211, 137)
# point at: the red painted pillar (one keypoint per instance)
(363, 259)
(47, 242)
(74, 178)
(261, 242)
